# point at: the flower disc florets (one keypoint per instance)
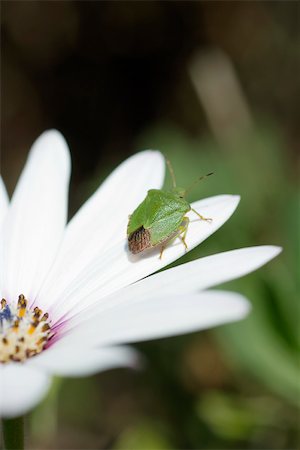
(24, 332)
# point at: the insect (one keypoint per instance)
(161, 218)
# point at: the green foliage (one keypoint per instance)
(256, 420)
(144, 436)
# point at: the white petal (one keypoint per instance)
(75, 361)
(116, 268)
(36, 219)
(187, 278)
(21, 388)
(201, 274)
(3, 200)
(157, 317)
(102, 220)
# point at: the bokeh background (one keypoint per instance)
(214, 86)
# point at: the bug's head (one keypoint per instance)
(179, 191)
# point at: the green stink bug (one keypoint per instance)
(160, 218)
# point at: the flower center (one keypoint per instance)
(24, 332)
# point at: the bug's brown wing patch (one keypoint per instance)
(139, 240)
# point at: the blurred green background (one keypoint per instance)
(214, 86)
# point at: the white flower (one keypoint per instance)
(83, 277)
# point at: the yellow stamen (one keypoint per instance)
(32, 328)
(16, 326)
(22, 304)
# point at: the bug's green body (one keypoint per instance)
(161, 217)
(157, 219)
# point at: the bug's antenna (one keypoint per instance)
(197, 181)
(171, 173)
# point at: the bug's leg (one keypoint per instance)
(207, 219)
(183, 231)
(161, 251)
